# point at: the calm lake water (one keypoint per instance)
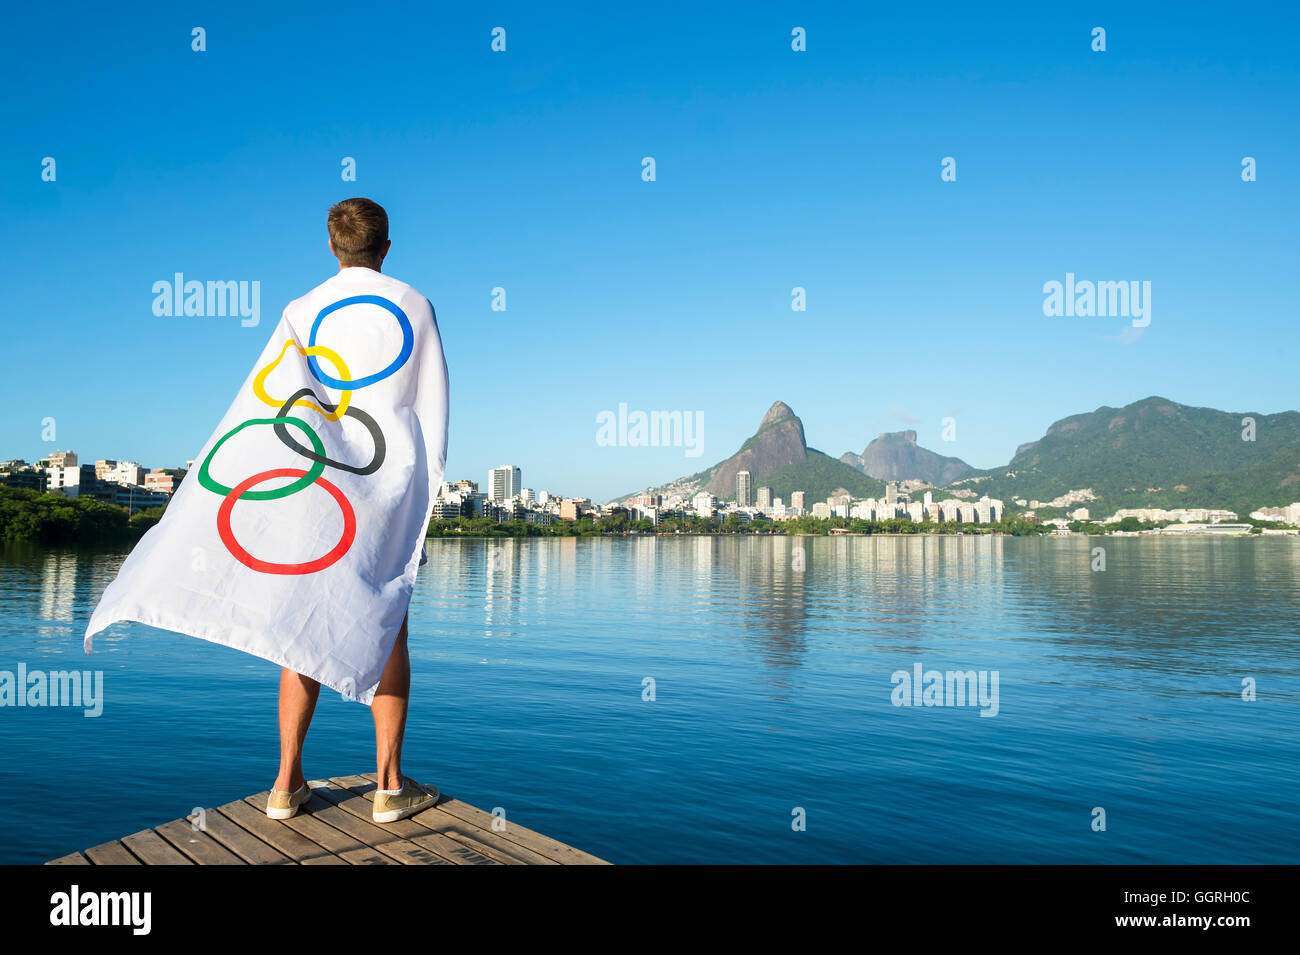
(1119, 689)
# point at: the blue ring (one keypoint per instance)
(408, 342)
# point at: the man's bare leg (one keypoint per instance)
(298, 696)
(389, 710)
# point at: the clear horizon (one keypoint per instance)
(452, 478)
(775, 170)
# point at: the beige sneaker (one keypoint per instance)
(412, 799)
(281, 805)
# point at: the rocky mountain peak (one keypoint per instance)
(779, 411)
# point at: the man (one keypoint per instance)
(358, 238)
(348, 404)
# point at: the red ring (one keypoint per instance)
(266, 567)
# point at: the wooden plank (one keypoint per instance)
(332, 840)
(274, 833)
(241, 842)
(544, 845)
(489, 843)
(448, 849)
(324, 835)
(457, 852)
(111, 853)
(335, 827)
(471, 838)
(384, 840)
(199, 846)
(357, 783)
(367, 856)
(72, 858)
(151, 849)
(521, 835)
(340, 795)
(431, 821)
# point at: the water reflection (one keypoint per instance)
(1119, 688)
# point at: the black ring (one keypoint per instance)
(376, 435)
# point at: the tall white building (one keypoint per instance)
(64, 479)
(744, 488)
(503, 483)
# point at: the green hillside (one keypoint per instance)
(1151, 453)
(1158, 453)
(820, 476)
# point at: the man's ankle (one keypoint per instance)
(289, 783)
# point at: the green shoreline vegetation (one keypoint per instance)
(619, 524)
(52, 520)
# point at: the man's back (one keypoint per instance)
(311, 498)
(371, 339)
(297, 539)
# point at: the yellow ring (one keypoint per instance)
(345, 397)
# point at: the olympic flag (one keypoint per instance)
(299, 533)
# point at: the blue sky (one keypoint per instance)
(775, 169)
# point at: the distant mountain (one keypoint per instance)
(1151, 453)
(778, 443)
(1158, 453)
(778, 457)
(895, 456)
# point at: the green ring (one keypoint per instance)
(205, 479)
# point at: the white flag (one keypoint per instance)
(298, 533)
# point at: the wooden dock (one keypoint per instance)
(334, 827)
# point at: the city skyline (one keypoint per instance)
(504, 484)
(819, 170)
(125, 483)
